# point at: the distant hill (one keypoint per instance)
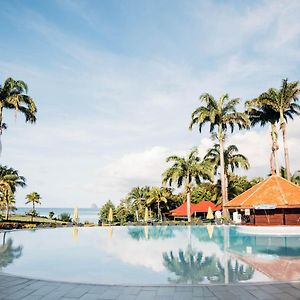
(94, 205)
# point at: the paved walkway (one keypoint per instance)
(18, 288)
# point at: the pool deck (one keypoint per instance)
(17, 288)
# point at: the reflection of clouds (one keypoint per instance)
(148, 253)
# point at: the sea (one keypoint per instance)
(85, 214)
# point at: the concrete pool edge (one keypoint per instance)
(16, 287)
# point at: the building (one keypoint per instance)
(274, 201)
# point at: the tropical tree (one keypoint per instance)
(282, 101)
(124, 211)
(232, 160)
(220, 114)
(158, 195)
(33, 198)
(186, 171)
(295, 177)
(13, 95)
(9, 181)
(262, 116)
(138, 196)
(104, 211)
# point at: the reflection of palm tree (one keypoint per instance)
(8, 253)
(193, 267)
(155, 233)
(236, 272)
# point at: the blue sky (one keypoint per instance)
(116, 81)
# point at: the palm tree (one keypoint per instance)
(138, 196)
(9, 181)
(186, 171)
(157, 195)
(262, 116)
(282, 101)
(13, 95)
(232, 160)
(33, 198)
(220, 114)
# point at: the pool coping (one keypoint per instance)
(22, 288)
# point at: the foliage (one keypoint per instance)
(9, 181)
(104, 211)
(33, 198)
(65, 217)
(220, 115)
(51, 214)
(13, 96)
(283, 102)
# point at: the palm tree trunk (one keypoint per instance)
(7, 212)
(226, 186)
(274, 161)
(222, 170)
(158, 211)
(188, 204)
(1, 123)
(286, 151)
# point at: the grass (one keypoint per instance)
(27, 219)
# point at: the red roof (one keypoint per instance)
(202, 206)
(181, 211)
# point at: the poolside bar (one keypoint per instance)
(274, 201)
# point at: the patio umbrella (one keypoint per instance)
(146, 217)
(110, 215)
(210, 214)
(75, 215)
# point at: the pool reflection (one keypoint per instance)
(150, 255)
(8, 253)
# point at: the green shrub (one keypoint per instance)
(65, 217)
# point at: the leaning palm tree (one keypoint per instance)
(186, 171)
(33, 198)
(9, 181)
(232, 160)
(220, 114)
(13, 95)
(282, 101)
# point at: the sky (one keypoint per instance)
(115, 83)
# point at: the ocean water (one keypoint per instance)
(85, 214)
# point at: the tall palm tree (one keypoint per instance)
(262, 116)
(33, 198)
(186, 171)
(220, 114)
(232, 160)
(158, 195)
(282, 101)
(13, 95)
(9, 181)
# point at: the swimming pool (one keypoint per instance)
(150, 255)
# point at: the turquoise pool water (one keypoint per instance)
(150, 255)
